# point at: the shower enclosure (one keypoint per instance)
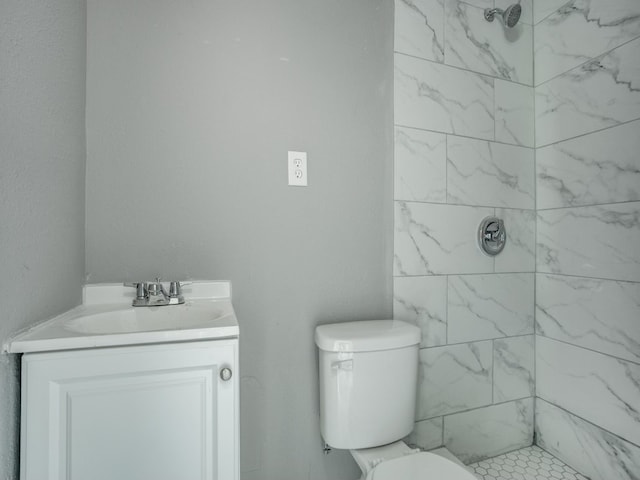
(541, 343)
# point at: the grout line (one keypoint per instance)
(572, 207)
(535, 417)
(474, 408)
(446, 310)
(465, 205)
(531, 272)
(608, 127)
(495, 111)
(535, 225)
(493, 371)
(614, 357)
(635, 282)
(446, 168)
(591, 59)
(461, 69)
(454, 134)
(632, 282)
(444, 34)
(482, 340)
(533, 56)
(589, 422)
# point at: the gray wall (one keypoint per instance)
(42, 168)
(191, 108)
(588, 235)
(463, 151)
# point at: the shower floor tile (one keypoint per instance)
(530, 463)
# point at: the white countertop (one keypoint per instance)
(106, 318)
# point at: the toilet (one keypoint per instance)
(368, 381)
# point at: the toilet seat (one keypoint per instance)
(419, 466)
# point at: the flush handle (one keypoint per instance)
(342, 364)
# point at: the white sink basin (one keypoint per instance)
(106, 318)
(147, 319)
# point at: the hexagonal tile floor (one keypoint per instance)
(531, 463)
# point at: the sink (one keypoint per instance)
(106, 318)
(146, 319)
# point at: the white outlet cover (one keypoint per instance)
(297, 166)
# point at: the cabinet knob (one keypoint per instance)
(225, 374)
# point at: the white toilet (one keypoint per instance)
(368, 380)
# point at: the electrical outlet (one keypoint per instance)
(297, 162)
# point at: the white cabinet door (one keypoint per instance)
(158, 412)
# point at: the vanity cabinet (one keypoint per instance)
(157, 412)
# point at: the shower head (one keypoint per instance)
(510, 16)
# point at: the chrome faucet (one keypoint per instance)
(153, 294)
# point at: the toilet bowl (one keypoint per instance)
(419, 466)
(399, 462)
(368, 380)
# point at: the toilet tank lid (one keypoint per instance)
(366, 336)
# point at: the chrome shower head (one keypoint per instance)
(510, 16)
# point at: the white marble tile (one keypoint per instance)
(602, 167)
(601, 389)
(437, 239)
(514, 113)
(587, 448)
(580, 31)
(485, 47)
(454, 378)
(519, 254)
(543, 8)
(601, 315)
(423, 302)
(427, 434)
(513, 368)
(490, 306)
(420, 165)
(598, 94)
(436, 97)
(600, 241)
(526, 16)
(480, 3)
(419, 28)
(489, 174)
(489, 431)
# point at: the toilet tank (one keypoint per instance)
(368, 377)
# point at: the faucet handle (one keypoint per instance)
(141, 289)
(175, 288)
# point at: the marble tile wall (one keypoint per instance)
(601, 93)
(587, 131)
(582, 171)
(474, 44)
(464, 150)
(500, 428)
(565, 373)
(581, 30)
(600, 315)
(599, 453)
